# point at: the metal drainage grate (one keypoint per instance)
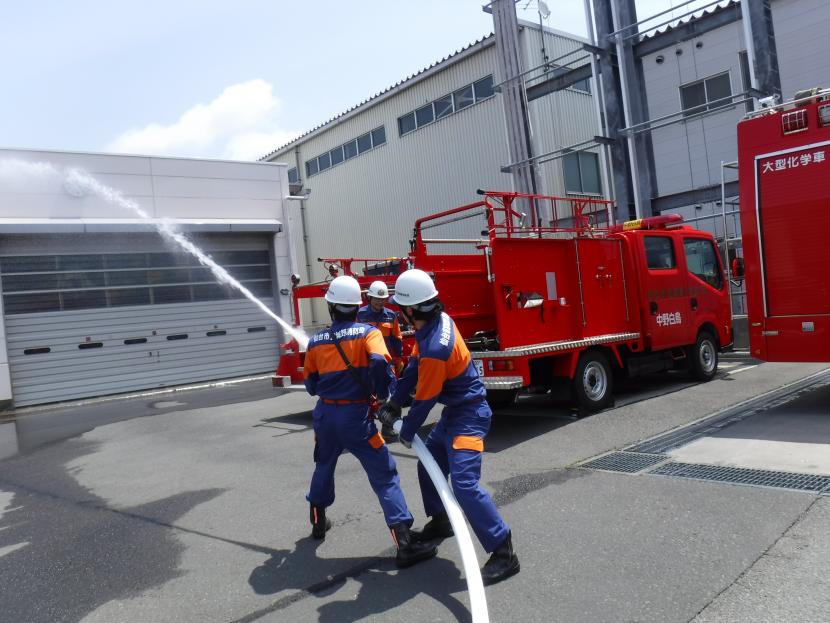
(745, 476)
(627, 462)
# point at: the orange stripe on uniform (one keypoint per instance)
(326, 359)
(376, 440)
(309, 364)
(431, 376)
(375, 345)
(459, 358)
(396, 330)
(467, 442)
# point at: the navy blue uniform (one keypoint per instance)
(387, 323)
(341, 416)
(441, 370)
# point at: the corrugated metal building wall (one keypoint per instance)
(366, 205)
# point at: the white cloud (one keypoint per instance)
(241, 123)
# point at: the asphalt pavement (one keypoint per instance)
(195, 511)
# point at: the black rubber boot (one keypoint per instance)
(502, 564)
(410, 551)
(319, 524)
(438, 527)
(388, 433)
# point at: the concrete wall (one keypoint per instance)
(164, 187)
(801, 28)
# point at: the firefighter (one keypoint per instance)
(378, 315)
(345, 366)
(441, 370)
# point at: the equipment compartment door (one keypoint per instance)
(667, 311)
(606, 309)
(792, 214)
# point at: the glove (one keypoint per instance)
(389, 412)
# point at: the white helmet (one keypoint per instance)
(413, 287)
(378, 290)
(344, 290)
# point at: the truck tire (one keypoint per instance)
(499, 398)
(703, 356)
(593, 382)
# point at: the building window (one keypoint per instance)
(702, 95)
(464, 97)
(350, 149)
(406, 124)
(364, 143)
(323, 161)
(293, 176)
(583, 86)
(346, 151)
(33, 284)
(424, 115)
(582, 173)
(483, 88)
(378, 137)
(444, 106)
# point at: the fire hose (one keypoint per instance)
(475, 587)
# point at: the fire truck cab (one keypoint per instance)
(784, 171)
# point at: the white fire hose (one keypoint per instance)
(478, 601)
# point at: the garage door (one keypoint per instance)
(91, 324)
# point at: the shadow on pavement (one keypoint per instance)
(74, 553)
(380, 590)
(805, 419)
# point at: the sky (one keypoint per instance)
(220, 79)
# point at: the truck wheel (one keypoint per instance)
(498, 398)
(703, 356)
(593, 382)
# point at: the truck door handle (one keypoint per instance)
(652, 307)
(694, 304)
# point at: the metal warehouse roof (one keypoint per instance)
(693, 18)
(389, 91)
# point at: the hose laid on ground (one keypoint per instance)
(478, 600)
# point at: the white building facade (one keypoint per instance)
(94, 301)
(427, 144)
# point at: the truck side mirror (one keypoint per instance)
(738, 268)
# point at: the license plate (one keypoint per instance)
(479, 364)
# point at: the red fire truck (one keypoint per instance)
(784, 172)
(578, 301)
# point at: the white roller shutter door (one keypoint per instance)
(72, 331)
